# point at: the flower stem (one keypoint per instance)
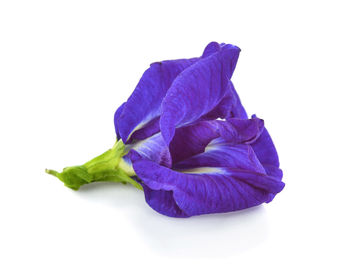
(52, 172)
(109, 166)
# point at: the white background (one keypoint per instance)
(65, 67)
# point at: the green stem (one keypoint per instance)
(109, 166)
(52, 172)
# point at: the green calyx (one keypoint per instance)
(109, 166)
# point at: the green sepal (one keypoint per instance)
(108, 166)
(73, 177)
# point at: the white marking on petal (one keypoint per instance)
(215, 144)
(144, 122)
(149, 147)
(203, 170)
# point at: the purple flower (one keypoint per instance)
(184, 137)
(187, 161)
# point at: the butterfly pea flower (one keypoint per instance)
(184, 138)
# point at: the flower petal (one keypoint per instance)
(211, 48)
(144, 103)
(267, 154)
(152, 148)
(239, 156)
(197, 90)
(143, 107)
(241, 130)
(147, 131)
(116, 118)
(203, 190)
(237, 109)
(163, 202)
(265, 149)
(229, 106)
(193, 139)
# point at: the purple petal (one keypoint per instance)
(116, 118)
(197, 90)
(148, 130)
(163, 202)
(239, 156)
(144, 103)
(152, 148)
(273, 171)
(211, 48)
(267, 154)
(229, 106)
(265, 149)
(193, 139)
(142, 110)
(203, 190)
(237, 109)
(243, 130)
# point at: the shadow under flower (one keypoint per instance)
(205, 236)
